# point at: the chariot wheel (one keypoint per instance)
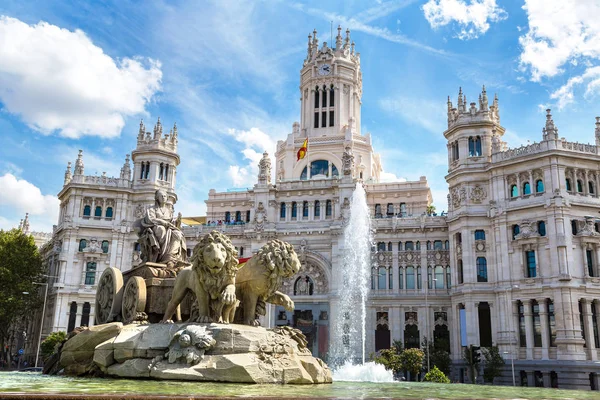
(134, 300)
(109, 295)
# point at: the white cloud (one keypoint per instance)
(389, 177)
(565, 96)
(21, 196)
(58, 80)
(428, 114)
(256, 143)
(559, 31)
(472, 17)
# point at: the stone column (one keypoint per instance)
(544, 326)
(472, 315)
(311, 208)
(516, 331)
(546, 378)
(288, 211)
(528, 327)
(456, 344)
(394, 322)
(589, 330)
(530, 379)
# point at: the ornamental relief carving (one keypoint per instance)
(478, 194)
(438, 256)
(309, 274)
(458, 196)
(409, 257)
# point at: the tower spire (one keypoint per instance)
(68, 174)
(79, 164)
(142, 130)
(550, 130)
(597, 131)
(484, 99)
(338, 38)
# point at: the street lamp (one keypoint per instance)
(512, 366)
(39, 342)
(427, 318)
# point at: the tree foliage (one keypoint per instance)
(49, 344)
(435, 375)
(390, 359)
(493, 363)
(20, 266)
(412, 360)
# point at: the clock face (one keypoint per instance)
(324, 69)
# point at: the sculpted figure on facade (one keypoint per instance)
(211, 278)
(527, 229)
(264, 169)
(161, 240)
(348, 161)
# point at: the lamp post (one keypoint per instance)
(39, 342)
(512, 366)
(427, 318)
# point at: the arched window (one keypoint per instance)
(439, 277)
(378, 211)
(72, 316)
(248, 216)
(418, 245)
(478, 146)
(82, 244)
(238, 216)
(105, 246)
(515, 231)
(317, 208)
(408, 245)
(579, 186)
(389, 246)
(447, 245)
(328, 208)
(316, 97)
(227, 216)
(241, 252)
(390, 210)
(90, 273)
(526, 188)
(331, 96)
(166, 172)
(429, 277)
(514, 191)
(85, 314)
(542, 228)
(574, 229)
(380, 246)
(471, 147)
(109, 212)
(305, 209)
(429, 245)
(410, 277)
(334, 170)
(399, 246)
(539, 186)
(303, 286)
(147, 171)
(324, 97)
(294, 210)
(591, 187)
(419, 280)
(403, 209)
(98, 212)
(400, 278)
(479, 234)
(87, 211)
(568, 184)
(161, 171)
(459, 272)
(482, 275)
(282, 211)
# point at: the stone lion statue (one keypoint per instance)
(258, 281)
(211, 277)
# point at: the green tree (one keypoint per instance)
(20, 266)
(439, 356)
(49, 344)
(430, 210)
(493, 363)
(435, 375)
(390, 359)
(412, 361)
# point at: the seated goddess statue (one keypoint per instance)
(160, 236)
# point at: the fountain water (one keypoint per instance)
(347, 350)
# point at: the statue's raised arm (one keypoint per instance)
(160, 239)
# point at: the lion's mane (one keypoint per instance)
(280, 258)
(213, 280)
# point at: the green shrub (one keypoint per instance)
(435, 375)
(412, 360)
(50, 344)
(390, 360)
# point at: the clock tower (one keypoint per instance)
(331, 87)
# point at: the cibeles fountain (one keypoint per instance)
(140, 331)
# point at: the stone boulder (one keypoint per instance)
(238, 354)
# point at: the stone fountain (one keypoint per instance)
(222, 339)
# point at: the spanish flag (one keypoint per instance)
(303, 150)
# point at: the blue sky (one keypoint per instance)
(81, 76)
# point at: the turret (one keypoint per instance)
(68, 175)
(126, 169)
(79, 164)
(550, 131)
(597, 132)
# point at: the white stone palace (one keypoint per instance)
(515, 261)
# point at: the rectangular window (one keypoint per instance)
(323, 119)
(410, 277)
(530, 259)
(595, 326)
(590, 262)
(400, 278)
(409, 246)
(324, 98)
(537, 324)
(522, 332)
(316, 125)
(381, 278)
(331, 114)
(479, 234)
(438, 245)
(390, 279)
(551, 324)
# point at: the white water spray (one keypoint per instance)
(349, 330)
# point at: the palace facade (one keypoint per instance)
(514, 262)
